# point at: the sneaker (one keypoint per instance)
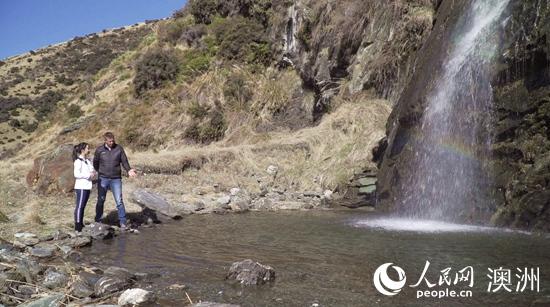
(123, 227)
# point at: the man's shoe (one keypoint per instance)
(123, 228)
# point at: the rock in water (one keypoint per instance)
(155, 202)
(78, 242)
(98, 231)
(108, 284)
(136, 297)
(249, 272)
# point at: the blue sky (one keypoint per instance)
(30, 24)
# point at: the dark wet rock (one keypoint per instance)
(98, 231)
(55, 279)
(88, 278)
(108, 284)
(155, 202)
(53, 300)
(27, 290)
(81, 289)
(121, 273)
(74, 256)
(43, 250)
(248, 272)
(136, 297)
(212, 304)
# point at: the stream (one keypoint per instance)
(326, 258)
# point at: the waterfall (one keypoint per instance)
(449, 178)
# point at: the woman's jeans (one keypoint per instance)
(81, 200)
(115, 185)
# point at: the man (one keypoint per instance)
(107, 160)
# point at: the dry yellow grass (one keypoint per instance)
(323, 156)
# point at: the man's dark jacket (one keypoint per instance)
(107, 161)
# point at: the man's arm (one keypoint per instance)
(126, 164)
(124, 160)
(96, 160)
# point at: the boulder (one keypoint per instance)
(23, 239)
(240, 203)
(43, 250)
(77, 241)
(53, 172)
(29, 269)
(108, 284)
(224, 200)
(53, 300)
(98, 231)
(272, 170)
(119, 273)
(81, 289)
(249, 272)
(136, 297)
(55, 279)
(155, 202)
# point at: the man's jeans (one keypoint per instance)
(115, 185)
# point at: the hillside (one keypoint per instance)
(213, 96)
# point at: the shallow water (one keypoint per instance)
(324, 257)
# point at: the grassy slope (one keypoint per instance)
(323, 156)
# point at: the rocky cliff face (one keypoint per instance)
(519, 159)
(354, 46)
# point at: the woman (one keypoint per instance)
(83, 174)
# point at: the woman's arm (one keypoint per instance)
(80, 172)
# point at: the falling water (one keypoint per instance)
(449, 178)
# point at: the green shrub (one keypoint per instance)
(171, 30)
(46, 103)
(154, 69)
(240, 39)
(197, 111)
(203, 10)
(237, 92)
(61, 78)
(29, 127)
(207, 125)
(74, 111)
(15, 123)
(194, 62)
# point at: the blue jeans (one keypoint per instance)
(115, 185)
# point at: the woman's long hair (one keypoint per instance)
(78, 150)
